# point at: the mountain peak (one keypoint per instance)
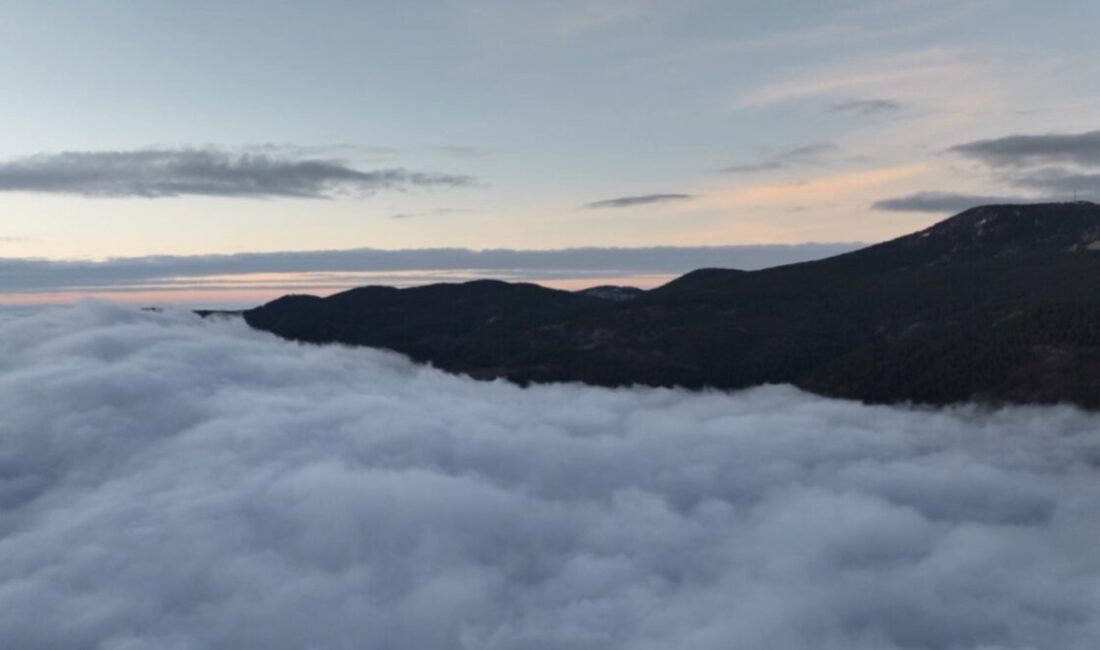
(1000, 230)
(1011, 227)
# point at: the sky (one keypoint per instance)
(180, 483)
(136, 129)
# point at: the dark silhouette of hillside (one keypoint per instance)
(999, 303)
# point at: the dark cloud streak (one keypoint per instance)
(1023, 150)
(866, 107)
(156, 173)
(634, 201)
(944, 202)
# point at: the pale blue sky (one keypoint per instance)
(777, 121)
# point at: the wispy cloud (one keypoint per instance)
(576, 17)
(560, 19)
(863, 25)
(154, 173)
(813, 190)
(633, 201)
(459, 150)
(948, 78)
(810, 154)
(339, 150)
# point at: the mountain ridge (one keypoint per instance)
(993, 304)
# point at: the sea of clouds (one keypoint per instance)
(176, 484)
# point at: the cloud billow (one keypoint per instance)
(172, 483)
(635, 201)
(155, 173)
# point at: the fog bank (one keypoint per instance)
(172, 483)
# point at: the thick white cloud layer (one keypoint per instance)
(174, 484)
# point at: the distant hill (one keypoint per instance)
(999, 303)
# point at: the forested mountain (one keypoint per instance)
(999, 303)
